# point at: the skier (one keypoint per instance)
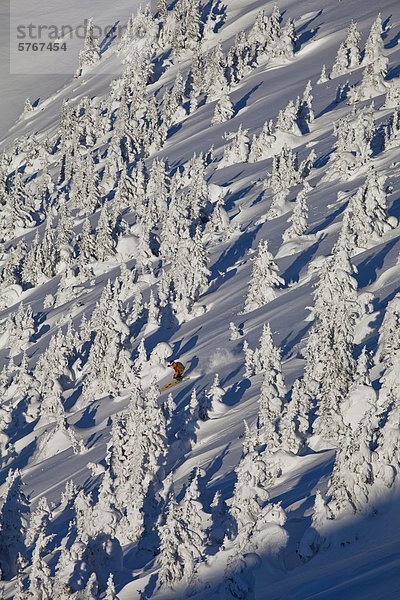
(179, 368)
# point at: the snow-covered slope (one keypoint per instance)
(133, 233)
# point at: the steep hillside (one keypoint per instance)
(219, 186)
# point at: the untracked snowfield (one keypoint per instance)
(135, 202)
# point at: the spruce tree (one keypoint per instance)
(264, 279)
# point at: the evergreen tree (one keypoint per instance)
(28, 108)
(104, 243)
(261, 144)
(110, 593)
(215, 393)
(235, 333)
(237, 150)
(374, 45)
(323, 78)
(372, 83)
(13, 514)
(295, 422)
(348, 56)
(90, 54)
(369, 218)
(192, 513)
(264, 279)
(352, 476)
(38, 522)
(223, 525)
(223, 110)
(271, 400)
(392, 130)
(40, 581)
(329, 354)
(389, 333)
(189, 277)
(179, 548)
(353, 145)
(251, 489)
(298, 219)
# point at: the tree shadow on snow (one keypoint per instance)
(292, 273)
(288, 344)
(189, 345)
(368, 268)
(109, 38)
(394, 71)
(235, 252)
(307, 35)
(243, 101)
(328, 220)
(232, 198)
(235, 394)
(87, 418)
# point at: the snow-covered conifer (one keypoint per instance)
(353, 144)
(261, 143)
(323, 78)
(86, 245)
(90, 54)
(271, 400)
(392, 96)
(348, 56)
(192, 513)
(286, 42)
(329, 354)
(104, 244)
(237, 582)
(286, 121)
(254, 476)
(85, 186)
(216, 85)
(298, 219)
(369, 218)
(266, 356)
(223, 525)
(374, 45)
(372, 82)
(215, 393)
(223, 110)
(40, 580)
(39, 520)
(392, 130)
(295, 422)
(13, 515)
(342, 92)
(237, 150)
(153, 310)
(240, 58)
(305, 112)
(218, 226)
(313, 537)
(178, 552)
(110, 593)
(186, 30)
(284, 175)
(264, 279)
(389, 333)
(352, 476)
(28, 108)
(189, 277)
(250, 364)
(235, 332)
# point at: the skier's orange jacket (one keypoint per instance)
(178, 367)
